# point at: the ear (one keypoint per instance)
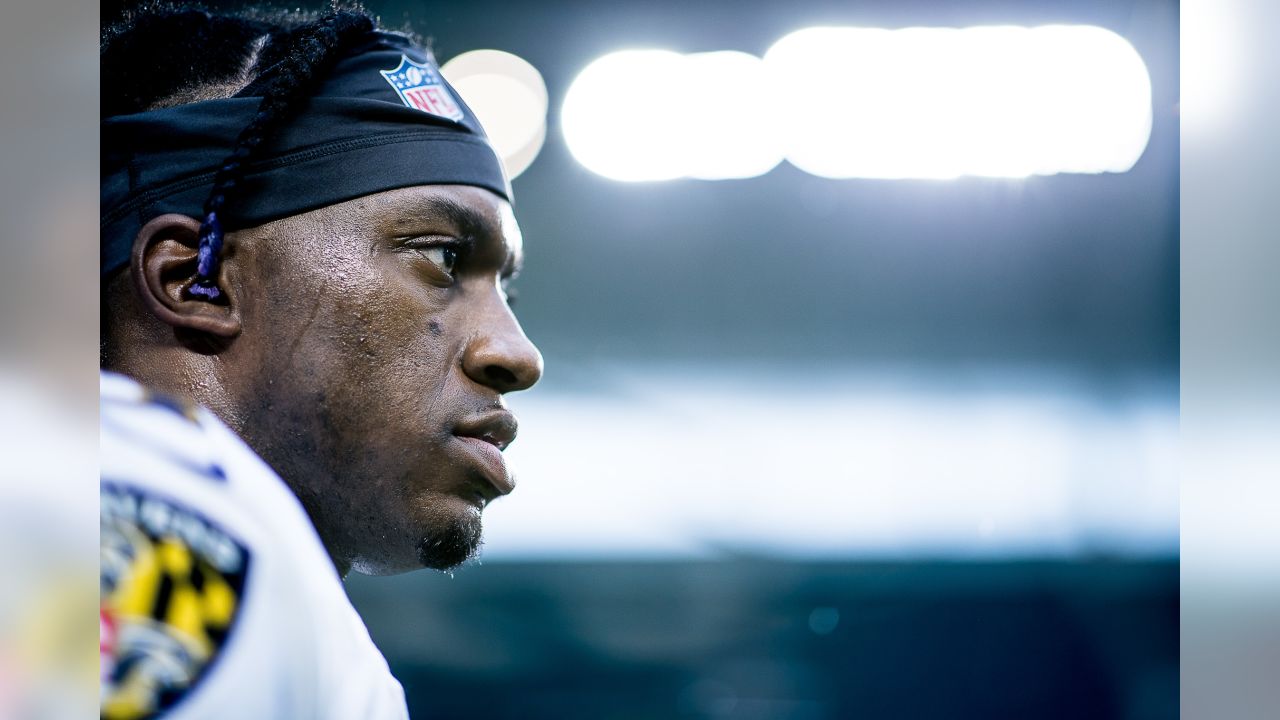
(163, 267)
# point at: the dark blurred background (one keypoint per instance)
(814, 448)
(757, 638)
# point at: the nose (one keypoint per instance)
(499, 355)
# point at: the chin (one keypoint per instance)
(447, 547)
(445, 534)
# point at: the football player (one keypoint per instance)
(306, 340)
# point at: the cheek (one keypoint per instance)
(400, 328)
(390, 355)
(363, 355)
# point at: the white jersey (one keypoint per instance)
(218, 598)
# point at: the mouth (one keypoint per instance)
(482, 440)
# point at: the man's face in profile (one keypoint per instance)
(377, 344)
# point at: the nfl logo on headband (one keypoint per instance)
(421, 88)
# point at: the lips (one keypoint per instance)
(483, 439)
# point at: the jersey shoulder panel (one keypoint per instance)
(144, 432)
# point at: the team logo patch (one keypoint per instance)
(421, 87)
(171, 588)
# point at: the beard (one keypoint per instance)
(452, 545)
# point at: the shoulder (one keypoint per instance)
(216, 590)
(146, 433)
(171, 450)
(193, 587)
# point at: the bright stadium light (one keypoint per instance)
(873, 103)
(510, 98)
(618, 120)
(729, 136)
(944, 102)
(640, 115)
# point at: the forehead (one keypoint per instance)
(464, 210)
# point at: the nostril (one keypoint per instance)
(500, 377)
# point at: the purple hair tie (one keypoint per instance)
(207, 253)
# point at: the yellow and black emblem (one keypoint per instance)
(171, 589)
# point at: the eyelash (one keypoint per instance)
(457, 247)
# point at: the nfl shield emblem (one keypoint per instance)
(421, 88)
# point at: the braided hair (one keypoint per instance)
(280, 56)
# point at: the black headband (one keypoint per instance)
(384, 118)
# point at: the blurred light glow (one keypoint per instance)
(842, 102)
(687, 463)
(944, 102)
(510, 98)
(639, 115)
(1212, 57)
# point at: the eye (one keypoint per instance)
(444, 258)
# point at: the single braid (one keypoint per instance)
(305, 55)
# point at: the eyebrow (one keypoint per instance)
(467, 220)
